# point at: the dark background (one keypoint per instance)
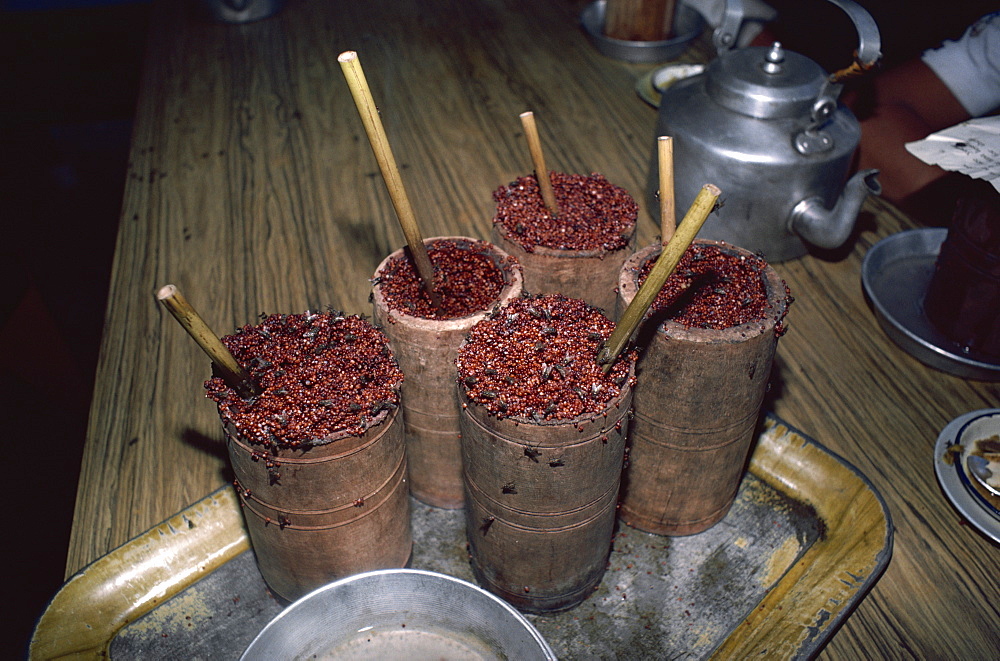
(69, 78)
(69, 71)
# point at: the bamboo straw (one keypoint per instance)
(365, 103)
(233, 373)
(668, 210)
(665, 265)
(538, 159)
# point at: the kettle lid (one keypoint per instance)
(765, 82)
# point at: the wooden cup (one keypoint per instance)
(540, 502)
(426, 350)
(639, 20)
(963, 296)
(697, 399)
(590, 275)
(336, 509)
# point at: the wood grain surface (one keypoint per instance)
(252, 187)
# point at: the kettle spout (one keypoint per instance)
(829, 228)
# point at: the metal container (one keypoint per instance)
(765, 126)
(401, 613)
(688, 25)
(241, 11)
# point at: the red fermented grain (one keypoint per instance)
(535, 359)
(322, 374)
(594, 214)
(466, 278)
(712, 288)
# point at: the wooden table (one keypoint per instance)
(251, 185)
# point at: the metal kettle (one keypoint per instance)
(765, 126)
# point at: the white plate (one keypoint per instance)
(651, 86)
(973, 432)
(948, 467)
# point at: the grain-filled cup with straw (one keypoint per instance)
(426, 296)
(546, 385)
(473, 278)
(570, 232)
(543, 440)
(316, 446)
(707, 345)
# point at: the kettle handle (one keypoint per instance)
(869, 40)
(724, 37)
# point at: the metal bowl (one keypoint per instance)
(688, 25)
(399, 613)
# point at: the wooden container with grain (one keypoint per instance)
(543, 439)
(473, 277)
(707, 350)
(319, 456)
(579, 251)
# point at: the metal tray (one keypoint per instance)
(805, 540)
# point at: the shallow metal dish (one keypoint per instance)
(895, 275)
(688, 25)
(399, 613)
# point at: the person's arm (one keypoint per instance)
(910, 103)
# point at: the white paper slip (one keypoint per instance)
(972, 148)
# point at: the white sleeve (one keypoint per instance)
(970, 66)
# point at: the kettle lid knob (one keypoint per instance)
(774, 59)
